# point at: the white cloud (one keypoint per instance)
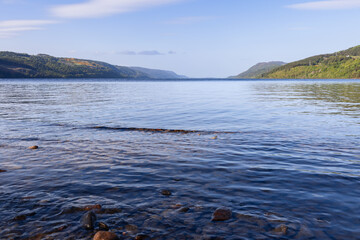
(13, 28)
(327, 5)
(101, 8)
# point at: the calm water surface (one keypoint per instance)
(286, 159)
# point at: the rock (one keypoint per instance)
(103, 226)
(34, 147)
(281, 229)
(91, 207)
(88, 220)
(102, 235)
(184, 209)
(2, 170)
(131, 228)
(20, 217)
(141, 236)
(166, 192)
(221, 214)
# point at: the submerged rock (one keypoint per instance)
(166, 192)
(141, 236)
(88, 220)
(1, 170)
(34, 147)
(91, 207)
(184, 209)
(102, 235)
(103, 226)
(221, 214)
(281, 229)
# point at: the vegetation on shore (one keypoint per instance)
(17, 65)
(340, 65)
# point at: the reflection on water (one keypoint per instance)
(282, 155)
(345, 97)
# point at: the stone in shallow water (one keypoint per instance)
(141, 236)
(88, 220)
(166, 192)
(34, 147)
(184, 209)
(221, 214)
(102, 235)
(103, 226)
(281, 229)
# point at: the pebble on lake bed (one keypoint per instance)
(102, 235)
(281, 229)
(221, 214)
(103, 226)
(33, 147)
(88, 220)
(166, 192)
(141, 236)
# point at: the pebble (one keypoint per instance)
(34, 147)
(91, 207)
(166, 192)
(103, 226)
(102, 235)
(282, 229)
(184, 209)
(131, 228)
(221, 214)
(141, 236)
(88, 220)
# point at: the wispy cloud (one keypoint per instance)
(150, 53)
(146, 53)
(189, 20)
(101, 8)
(13, 28)
(327, 5)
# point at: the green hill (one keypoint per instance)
(258, 69)
(340, 65)
(17, 65)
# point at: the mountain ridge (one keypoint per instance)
(22, 65)
(258, 69)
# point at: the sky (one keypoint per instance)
(196, 38)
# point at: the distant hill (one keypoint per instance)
(258, 69)
(159, 74)
(340, 65)
(18, 65)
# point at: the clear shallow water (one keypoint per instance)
(286, 155)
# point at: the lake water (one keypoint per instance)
(284, 156)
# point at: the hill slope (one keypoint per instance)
(340, 65)
(258, 69)
(16, 65)
(159, 74)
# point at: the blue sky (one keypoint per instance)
(197, 38)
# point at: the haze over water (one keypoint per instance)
(286, 156)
